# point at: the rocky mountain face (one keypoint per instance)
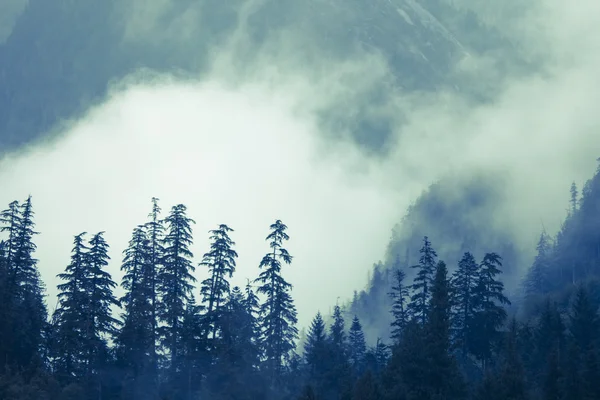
(61, 55)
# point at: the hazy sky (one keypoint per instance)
(243, 146)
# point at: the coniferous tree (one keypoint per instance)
(278, 312)
(511, 379)
(101, 326)
(24, 288)
(70, 318)
(337, 331)
(341, 375)
(537, 280)
(135, 344)
(464, 282)
(399, 295)
(155, 229)
(175, 282)
(357, 345)
(422, 283)
(220, 261)
(490, 299)
(318, 357)
(444, 377)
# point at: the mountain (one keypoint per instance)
(61, 56)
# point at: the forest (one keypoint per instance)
(171, 337)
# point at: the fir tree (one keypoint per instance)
(446, 380)
(422, 282)
(175, 281)
(155, 229)
(464, 283)
(399, 295)
(490, 299)
(135, 345)
(357, 345)
(278, 313)
(101, 326)
(537, 280)
(70, 318)
(220, 261)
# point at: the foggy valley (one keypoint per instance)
(451, 143)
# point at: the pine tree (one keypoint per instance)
(315, 346)
(422, 282)
(175, 281)
(446, 380)
(464, 283)
(537, 280)
(357, 345)
(574, 197)
(135, 344)
(155, 229)
(278, 313)
(490, 299)
(584, 321)
(101, 326)
(399, 295)
(70, 318)
(220, 261)
(511, 376)
(337, 329)
(25, 289)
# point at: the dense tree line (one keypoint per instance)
(168, 337)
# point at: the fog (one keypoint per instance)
(245, 145)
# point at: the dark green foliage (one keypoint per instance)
(421, 287)
(278, 313)
(175, 282)
(464, 282)
(220, 261)
(356, 346)
(400, 295)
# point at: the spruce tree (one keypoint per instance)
(400, 294)
(422, 283)
(175, 281)
(24, 288)
(490, 299)
(444, 377)
(337, 329)
(70, 321)
(135, 344)
(464, 282)
(155, 229)
(357, 345)
(220, 261)
(537, 280)
(99, 287)
(278, 313)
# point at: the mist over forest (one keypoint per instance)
(425, 173)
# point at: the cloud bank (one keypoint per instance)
(246, 144)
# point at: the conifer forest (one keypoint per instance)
(299, 200)
(172, 336)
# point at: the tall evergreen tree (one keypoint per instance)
(337, 330)
(25, 290)
(464, 282)
(357, 345)
(101, 326)
(70, 320)
(446, 380)
(400, 294)
(422, 283)
(175, 281)
(155, 228)
(490, 299)
(511, 376)
(537, 280)
(220, 261)
(278, 313)
(135, 344)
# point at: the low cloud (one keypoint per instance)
(265, 134)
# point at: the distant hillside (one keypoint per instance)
(61, 55)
